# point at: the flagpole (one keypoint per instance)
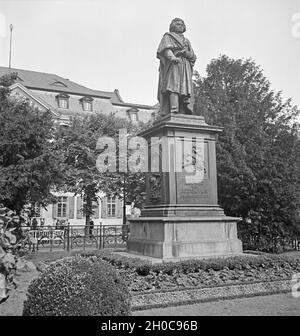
(11, 28)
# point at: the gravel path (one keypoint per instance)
(271, 305)
(13, 306)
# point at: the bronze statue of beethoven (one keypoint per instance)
(177, 58)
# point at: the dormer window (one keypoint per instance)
(133, 115)
(63, 100)
(63, 103)
(87, 104)
(59, 84)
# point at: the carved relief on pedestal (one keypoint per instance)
(155, 187)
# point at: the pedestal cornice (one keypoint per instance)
(181, 122)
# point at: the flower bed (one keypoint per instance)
(143, 277)
(191, 281)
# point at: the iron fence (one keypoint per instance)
(74, 237)
(270, 244)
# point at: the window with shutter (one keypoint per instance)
(119, 208)
(71, 207)
(96, 210)
(79, 214)
(54, 210)
(104, 207)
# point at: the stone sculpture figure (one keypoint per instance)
(177, 58)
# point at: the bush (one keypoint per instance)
(10, 237)
(77, 286)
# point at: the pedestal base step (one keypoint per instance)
(190, 237)
(185, 250)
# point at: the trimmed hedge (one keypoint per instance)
(144, 268)
(78, 286)
(144, 277)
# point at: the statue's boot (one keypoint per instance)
(174, 102)
(186, 105)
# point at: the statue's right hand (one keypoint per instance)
(176, 60)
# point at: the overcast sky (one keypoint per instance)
(108, 44)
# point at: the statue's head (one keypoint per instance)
(177, 26)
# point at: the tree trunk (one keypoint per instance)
(88, 209)
(124, 200)
(124, 212)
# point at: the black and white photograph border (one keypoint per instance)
(149, 160)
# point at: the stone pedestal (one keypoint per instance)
(182, 218)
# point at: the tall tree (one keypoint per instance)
(78, 144)
(130, 186)
(29, 169)
(258, 151)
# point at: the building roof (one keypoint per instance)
(52, 82)
(114, 96)
(145, 107)
(35, 97)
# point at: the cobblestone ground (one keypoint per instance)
(271, 305)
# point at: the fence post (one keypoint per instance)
(71, 237)
(37, 239)
(100, 236)
(96, 235)
(84, 237)
(29, 240)
(68, 237)
(51, 238)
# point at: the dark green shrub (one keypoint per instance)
(10, 248)
(143, 270)
(77, 286)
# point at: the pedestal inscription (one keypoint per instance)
(188, 193)
(192, 182)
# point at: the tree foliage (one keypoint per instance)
(29, 168)
(130, 186)
(78, 143)
(258, 150)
